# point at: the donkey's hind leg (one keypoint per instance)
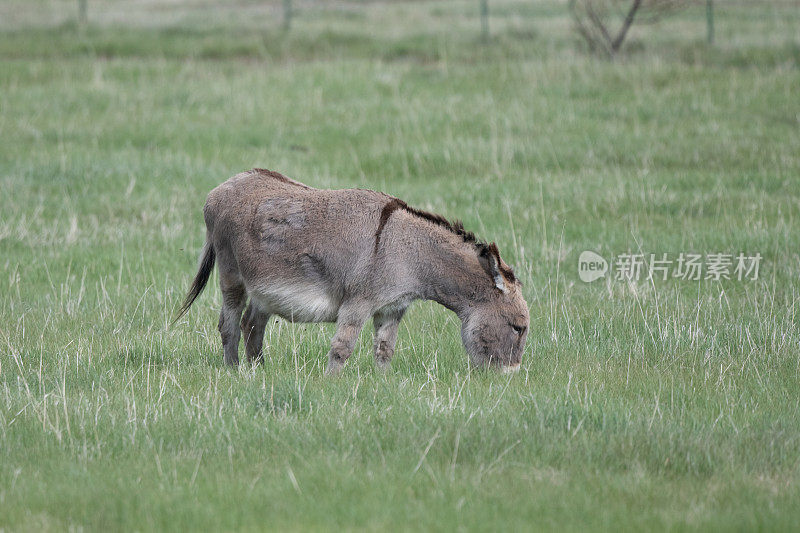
(234, 296)
(254, 321)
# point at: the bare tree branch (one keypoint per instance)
(626, 25)
(593, 19)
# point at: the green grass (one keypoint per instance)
(671, 405)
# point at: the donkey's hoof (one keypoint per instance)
(334, 367)
(509, 369)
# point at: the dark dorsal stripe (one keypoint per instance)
(456, 227)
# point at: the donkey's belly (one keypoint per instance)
(297, 302)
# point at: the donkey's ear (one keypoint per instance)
(489, 258)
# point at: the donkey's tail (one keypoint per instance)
(204, 270)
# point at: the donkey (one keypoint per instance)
(343, 256)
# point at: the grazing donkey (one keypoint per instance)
(314, 255)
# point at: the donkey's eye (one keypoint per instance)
(518, 329)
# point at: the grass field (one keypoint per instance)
(651, 405)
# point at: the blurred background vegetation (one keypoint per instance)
(742, 31)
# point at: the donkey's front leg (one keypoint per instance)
(386, 325)
(348, 325)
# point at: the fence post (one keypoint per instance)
(710, 20)
(83, 12)
(287, 14)
(485, 20)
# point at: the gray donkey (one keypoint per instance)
(315, 255)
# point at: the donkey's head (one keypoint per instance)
(495, 327)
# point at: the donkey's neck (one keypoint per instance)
(449, 273)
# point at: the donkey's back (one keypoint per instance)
(261, 209)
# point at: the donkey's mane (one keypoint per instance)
(456, 226)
